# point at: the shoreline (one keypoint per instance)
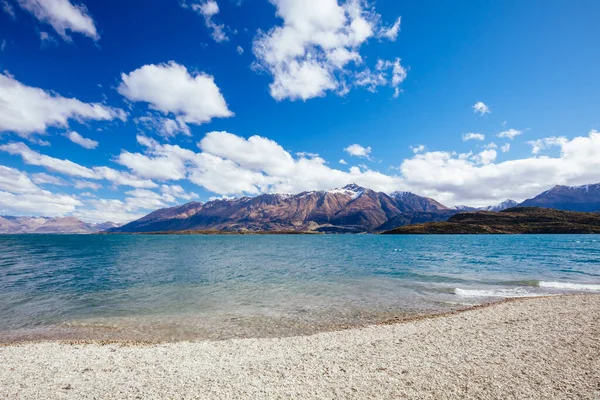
(397, 319)
(541, 347)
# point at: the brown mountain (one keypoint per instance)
(513, 220)
(572, 198)
(16, 225)
(350, 209)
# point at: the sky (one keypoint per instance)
(110, 109)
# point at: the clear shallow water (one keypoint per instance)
(187, 287)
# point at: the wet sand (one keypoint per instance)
(538, 348)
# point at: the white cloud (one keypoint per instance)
(171, 89)
(453, 179)
(45, 179)
(390, 73)
(80, 140)
(18, 194)
(28, 110)
(510, 134)
(481, 108)
(314, 49)
(208, 9)
(390, 33)
(473, 136)
(102, 210)
(232, 165)
(505, 148)
(178, 192)
(343, 162)
(418, 149)
(86, 185)
(486, 156)
(70, 168)
(165, 127)
(542, 144)
(3, 45)
(63, 16)
(358, 151)
(240, 50)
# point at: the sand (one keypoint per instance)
(541, 348)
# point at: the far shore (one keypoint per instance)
(537, 348)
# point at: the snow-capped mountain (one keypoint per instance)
(570, 198)
(348, 209)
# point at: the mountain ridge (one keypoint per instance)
(349, 209)
(40, 225)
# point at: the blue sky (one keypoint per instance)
(286, 96)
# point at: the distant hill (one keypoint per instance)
(512, 220)
(15, 225)
(498, 207)
(346, 210)
(571, 198)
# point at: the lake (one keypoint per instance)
(184, 287)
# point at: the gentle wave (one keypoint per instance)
(570, 286)
(515, 292)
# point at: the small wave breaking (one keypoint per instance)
(526, 289)
(570, 286)
(504, 293)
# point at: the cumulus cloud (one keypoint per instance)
(231, 165)
(102, 210)
(19, 194)
(172, 90)
(178, 192)
(227, 164)
(67, 167)
(343, 162)
(473, 136)
(28, 110)
(480, 108)
(541, 144)
(240, 50)
(208, 9)
(453, 179)
(316, 49)
(137, 203)
(510, 134)
(63, 16)
(358, 151)
(80, 140)
(505, 148)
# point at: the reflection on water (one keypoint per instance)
(188, 287)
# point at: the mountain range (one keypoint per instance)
(350, 209)
(15, 225)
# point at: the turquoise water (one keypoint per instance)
(189, 287)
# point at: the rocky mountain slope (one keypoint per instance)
(350, 209)
(572, 198)
(512, 220)
(15, 225)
